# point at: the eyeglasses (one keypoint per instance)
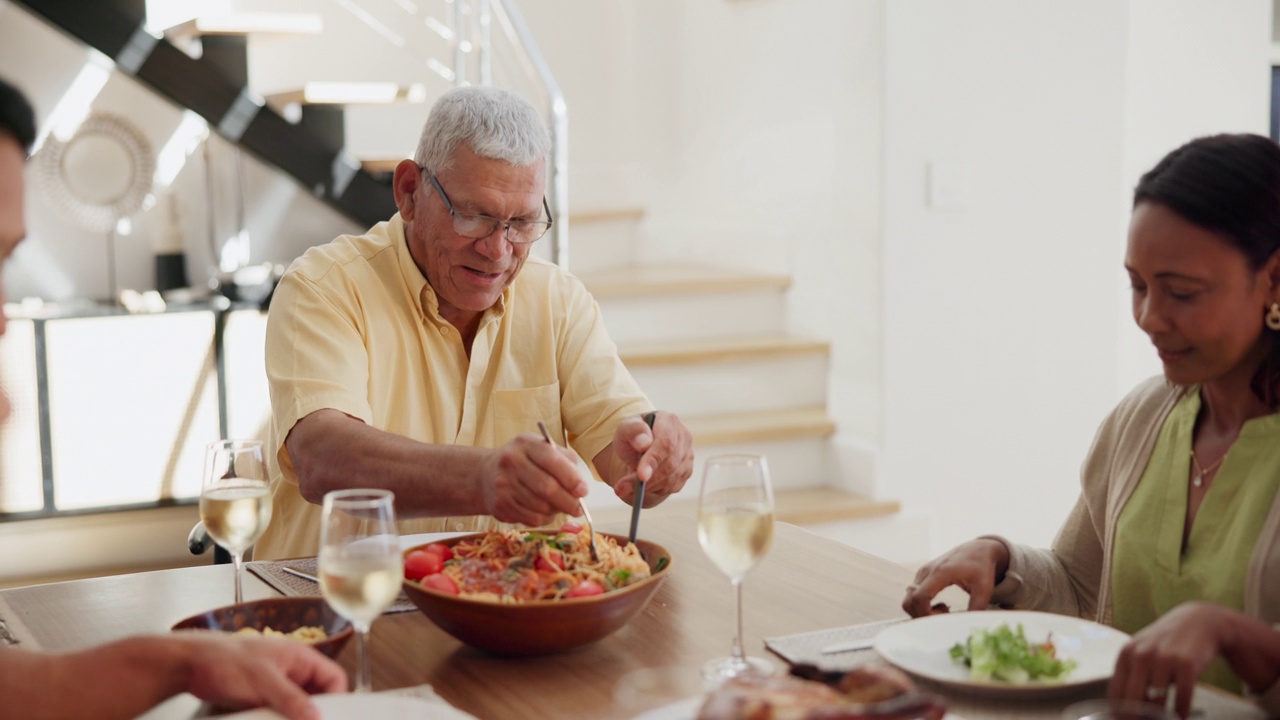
(517, 232)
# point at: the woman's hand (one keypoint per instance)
(1173, 650)
(975, 567)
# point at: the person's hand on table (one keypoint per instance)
(529, 480)
(236, 671)
(1174, 650)
(975, 567)
(662, 457)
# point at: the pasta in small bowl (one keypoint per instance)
(533, 592)
(303, 619)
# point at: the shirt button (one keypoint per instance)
(444, 330)
(457, 526)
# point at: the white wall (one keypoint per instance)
(1173, 95)
(1002, 348)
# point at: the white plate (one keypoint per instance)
(687, 709)
(922, 647)
(363, 706)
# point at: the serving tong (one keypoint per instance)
(591, 528)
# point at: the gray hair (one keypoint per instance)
(494, 123)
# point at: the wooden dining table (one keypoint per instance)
(806, 583)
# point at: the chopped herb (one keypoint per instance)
(662, 562)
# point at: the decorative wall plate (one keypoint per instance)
(101, 174)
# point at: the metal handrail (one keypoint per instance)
(535, 65)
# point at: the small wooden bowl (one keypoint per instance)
(546, 626)
(284, 614)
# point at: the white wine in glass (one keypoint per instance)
(360, 568)
(735, 529)
(235, 497)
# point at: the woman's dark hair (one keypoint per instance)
(1230, 185)
(16, 118)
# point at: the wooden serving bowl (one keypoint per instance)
(284, 614)
(541, 627)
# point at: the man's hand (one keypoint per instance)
(529, 480)
(239, 671)
(661, 457)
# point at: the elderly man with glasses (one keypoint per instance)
(421, 356)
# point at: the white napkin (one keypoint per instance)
(413, 702)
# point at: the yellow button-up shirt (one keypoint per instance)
(355, 327)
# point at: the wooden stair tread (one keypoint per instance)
(380, 165)
(798, 506)
(706, 350)
(590, 216)
(632, 281)
(349, 93)
(249, 23)
(762, 426)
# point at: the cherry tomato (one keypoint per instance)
(441, 582)
(586, 588)
(552, 562)
(570, 527)
(420, 563)
(444, 551)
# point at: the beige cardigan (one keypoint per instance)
(1074, 576)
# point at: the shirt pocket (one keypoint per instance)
(518, 411)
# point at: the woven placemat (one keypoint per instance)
(272, 573)
(807, 648)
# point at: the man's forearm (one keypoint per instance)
(331, 451)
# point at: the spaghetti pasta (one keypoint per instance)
(515, 566)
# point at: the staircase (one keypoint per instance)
(710, 344)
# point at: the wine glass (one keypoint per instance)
(735, 529)
(235, 497)
(360, 571)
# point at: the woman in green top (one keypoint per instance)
(1176, 535)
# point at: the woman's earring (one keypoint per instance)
(1273, 316)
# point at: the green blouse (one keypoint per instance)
(1150, 572)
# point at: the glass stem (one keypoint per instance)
(363, 683)
(738, 655)
(238, 559)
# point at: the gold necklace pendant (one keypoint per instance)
(1197, 480)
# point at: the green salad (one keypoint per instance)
(1005, 655)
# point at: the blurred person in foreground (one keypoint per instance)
(1176, 535)
(125, 678)
(420, 356)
